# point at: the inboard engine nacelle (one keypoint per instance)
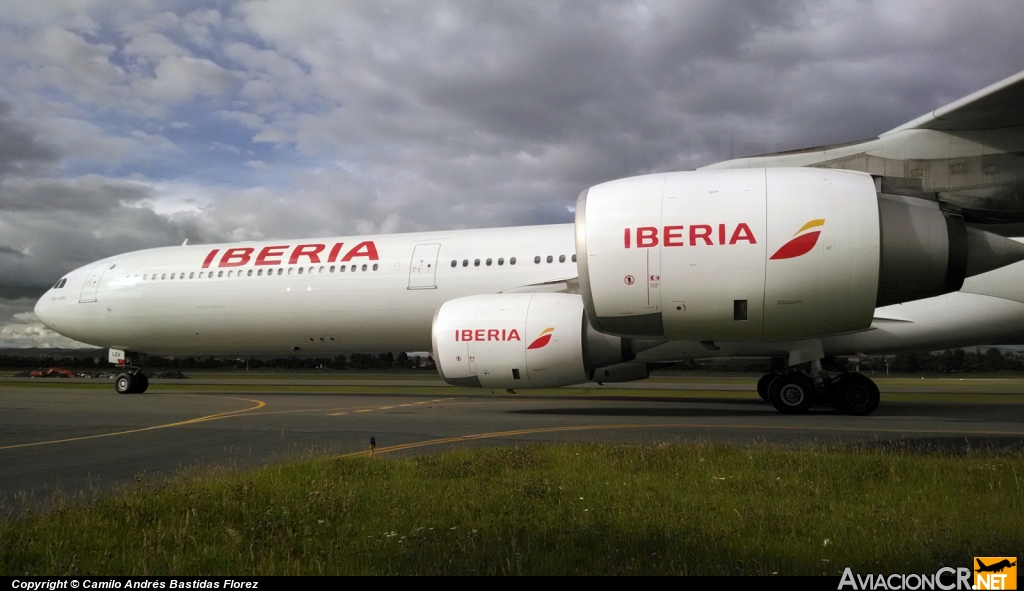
(765, 254)
(520, 340)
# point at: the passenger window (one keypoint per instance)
(551, 259)
(536, 260)
(172, 275)
(574, 258)
(364, 267)
(259, 273)
(454, 262)
(476, 263)
(321, 269)
(300, 270)
(290, 269)
(229, 274)
(512, 261)
(145, 276)
(220, 273)
(341, 269)
(163, 276)
(488, 262)
(501, 261)
(353, 269)
(332, 268)
(280, 271)
(311, 270)
(191, 275)
(465, 262)
(561, 258)
(375, 266)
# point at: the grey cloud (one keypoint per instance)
(21, 150)
(91, 193)
(10, 251)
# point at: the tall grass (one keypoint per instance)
(588, 508)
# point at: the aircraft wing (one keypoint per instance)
(994, 107)
(967, 155)
(985, 123)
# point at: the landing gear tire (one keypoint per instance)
(855, 394)
(792, 393)
(763, 383)
(128, 383)
(125, 383)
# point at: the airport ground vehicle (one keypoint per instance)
(51, 372)
(905, 241)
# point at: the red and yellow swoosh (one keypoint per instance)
(802, 243)
(543, 339)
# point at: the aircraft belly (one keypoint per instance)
(950, 321)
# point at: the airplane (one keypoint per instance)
(901, 242)
(994, 568)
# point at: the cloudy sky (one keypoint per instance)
(129, 124)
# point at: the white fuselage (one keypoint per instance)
(381, 300)
(309, 297)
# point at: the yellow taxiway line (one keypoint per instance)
(373, 408)
(213, 417)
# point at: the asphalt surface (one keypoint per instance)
(85, 440)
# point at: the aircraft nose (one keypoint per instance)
(43, 309)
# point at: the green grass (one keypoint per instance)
(594, 509)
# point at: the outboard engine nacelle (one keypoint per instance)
(774, 254)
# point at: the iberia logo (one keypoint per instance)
(995, 572)
(802, 244)
(543, 339)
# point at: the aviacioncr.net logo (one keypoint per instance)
(543, 339)
(802, 243)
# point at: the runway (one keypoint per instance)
(78, 439)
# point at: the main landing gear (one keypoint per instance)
(794, 390)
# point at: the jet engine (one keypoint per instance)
(520, 340)
(757, 255)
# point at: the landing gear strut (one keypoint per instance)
(133, 381)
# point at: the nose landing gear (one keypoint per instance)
(133, 381)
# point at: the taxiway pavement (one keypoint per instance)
(79, 439)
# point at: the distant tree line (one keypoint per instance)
(948, 361)
(355, 361)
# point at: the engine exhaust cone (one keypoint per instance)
(987, 251)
